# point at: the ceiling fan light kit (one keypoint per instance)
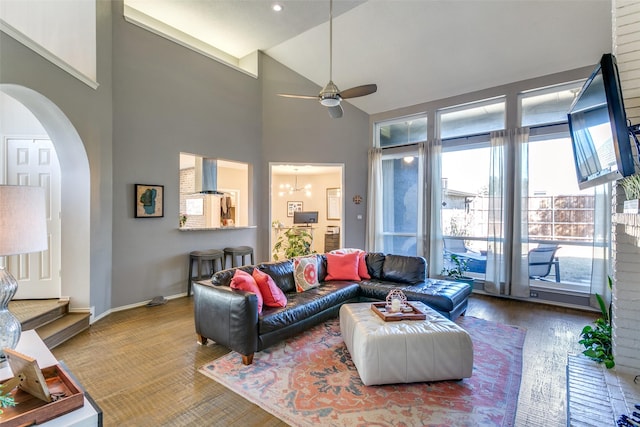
(330, 96)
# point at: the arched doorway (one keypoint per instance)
(75, 192)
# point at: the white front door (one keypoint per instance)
(34, 162)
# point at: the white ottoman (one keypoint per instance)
(405, 351)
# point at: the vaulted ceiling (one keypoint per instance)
(414, 50)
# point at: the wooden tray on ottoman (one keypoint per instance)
(31, 410)
(380, 308)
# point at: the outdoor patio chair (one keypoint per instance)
(455, 246)
(541, 259)
(476, 261)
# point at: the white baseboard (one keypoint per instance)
(129, 306)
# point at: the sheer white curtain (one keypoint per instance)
(373, 240)
(601, 263)
(507, 270)
(520, 213)
(496, 271)
(432, 169)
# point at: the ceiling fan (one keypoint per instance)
(330, 96)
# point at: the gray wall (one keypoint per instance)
(169, 99)
(166, 99)
(297, 130)
(90, 112)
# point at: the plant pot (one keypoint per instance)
(632, 206)
(465, 279)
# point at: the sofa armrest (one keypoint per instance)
(227, 316)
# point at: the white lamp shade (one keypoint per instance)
(23, 220)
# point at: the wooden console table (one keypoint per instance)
(31, 345)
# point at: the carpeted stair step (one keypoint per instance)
(50, 318)
(63, 328)
(35, 313)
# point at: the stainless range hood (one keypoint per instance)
(207, 176)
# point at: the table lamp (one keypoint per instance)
(23, 229)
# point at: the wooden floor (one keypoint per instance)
(140, 366)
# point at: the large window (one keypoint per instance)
(465, 166)
(400, 203)
(464, 212)
(560, 216)
(497, 188)
(471, 119)
(400, 183)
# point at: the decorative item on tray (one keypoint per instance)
(397, 308)
(39, 395)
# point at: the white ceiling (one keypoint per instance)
(414, 50)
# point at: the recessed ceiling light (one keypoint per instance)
(277, 7)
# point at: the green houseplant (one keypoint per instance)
(6, 399)
(291, 243)
(457, 270)
(597, 340)
(631, 186)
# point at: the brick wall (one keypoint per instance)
(626, 227)
(187, 187)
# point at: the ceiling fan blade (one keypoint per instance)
(335, 112)
(363, 90)
(286, 95)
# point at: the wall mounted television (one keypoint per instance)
(600, 134)
(309, 217)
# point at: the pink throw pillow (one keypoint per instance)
(362, 266)
(342, 266)
(305, 273)
(244, 281)
(362, 262)
(271, 293)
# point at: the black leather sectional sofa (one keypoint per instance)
(230, 317)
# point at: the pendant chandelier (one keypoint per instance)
(291, 189)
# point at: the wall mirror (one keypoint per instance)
(214, 193)
(334, 203)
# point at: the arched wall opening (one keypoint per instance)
(75, 195)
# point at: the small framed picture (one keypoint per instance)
(149, 201)
(293, 207)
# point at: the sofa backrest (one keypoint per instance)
(374, 264)
(281, 272)
(223, 278)
(404, 269)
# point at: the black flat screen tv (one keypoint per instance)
(598, 126)
(309, 217)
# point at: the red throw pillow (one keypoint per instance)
(362, 266)
(244, 281)
(271, 293)
(362, 262)
(342, 266)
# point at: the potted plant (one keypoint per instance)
(597, 341)
(292, 243)
(456, 271)
(6, 400)
(631, 187)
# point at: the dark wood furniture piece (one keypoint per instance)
(331, 241)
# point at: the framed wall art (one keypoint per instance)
(334, 203)
(293, 207)
(149, 201)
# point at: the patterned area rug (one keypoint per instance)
(310, 380)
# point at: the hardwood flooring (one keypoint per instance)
(140, 365)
